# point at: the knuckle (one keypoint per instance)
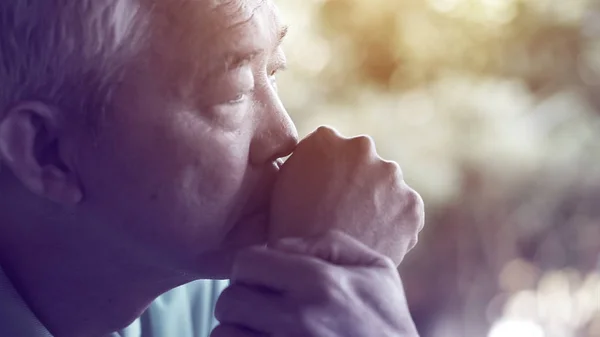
(411, 200)
(363, 145)
(414, 208)
(323, 136)
(393, 169)
(413, 242)
(326, 132)
(387, 263)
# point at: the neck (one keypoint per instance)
(82, 287)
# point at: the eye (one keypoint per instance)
(273, 75)
(277, 69)
(238, 99)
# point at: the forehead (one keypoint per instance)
(210, 15)
(207, 30)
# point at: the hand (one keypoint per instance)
(333, 286)
(332, 182)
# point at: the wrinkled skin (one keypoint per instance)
(336, 183)
(328, 286)
(172, 183)
(196, 172)
(176, 183)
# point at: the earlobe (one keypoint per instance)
(30, 141)
(61, 187)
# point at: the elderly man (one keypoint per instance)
(140, 146)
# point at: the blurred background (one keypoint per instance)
(492, 107)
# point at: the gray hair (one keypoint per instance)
(67, 53)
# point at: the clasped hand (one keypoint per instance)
(352, 219)
(330, 286)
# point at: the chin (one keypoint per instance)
(249, 232)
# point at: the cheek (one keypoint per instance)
(209, 170)
(176, 183)
(215, 177)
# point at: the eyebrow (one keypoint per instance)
(236, 60)
(282, 34)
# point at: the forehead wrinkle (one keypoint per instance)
(241, 4)
(283, 33)
(237, 34)
(240, 8)
(232, 58)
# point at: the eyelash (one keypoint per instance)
(241, 97)
(278, 68)
(238, 100)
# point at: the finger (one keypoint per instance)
(327, 132)
(251, 307)
(227, 330)
(276, 270)
(323, 137)
(334, 247)
(364, 146)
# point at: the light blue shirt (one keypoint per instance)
(186, 311)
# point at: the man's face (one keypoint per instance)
(182, 171)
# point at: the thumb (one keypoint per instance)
(334, 247)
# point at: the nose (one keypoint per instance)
(275, 135)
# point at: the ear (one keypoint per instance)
(32, 141)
